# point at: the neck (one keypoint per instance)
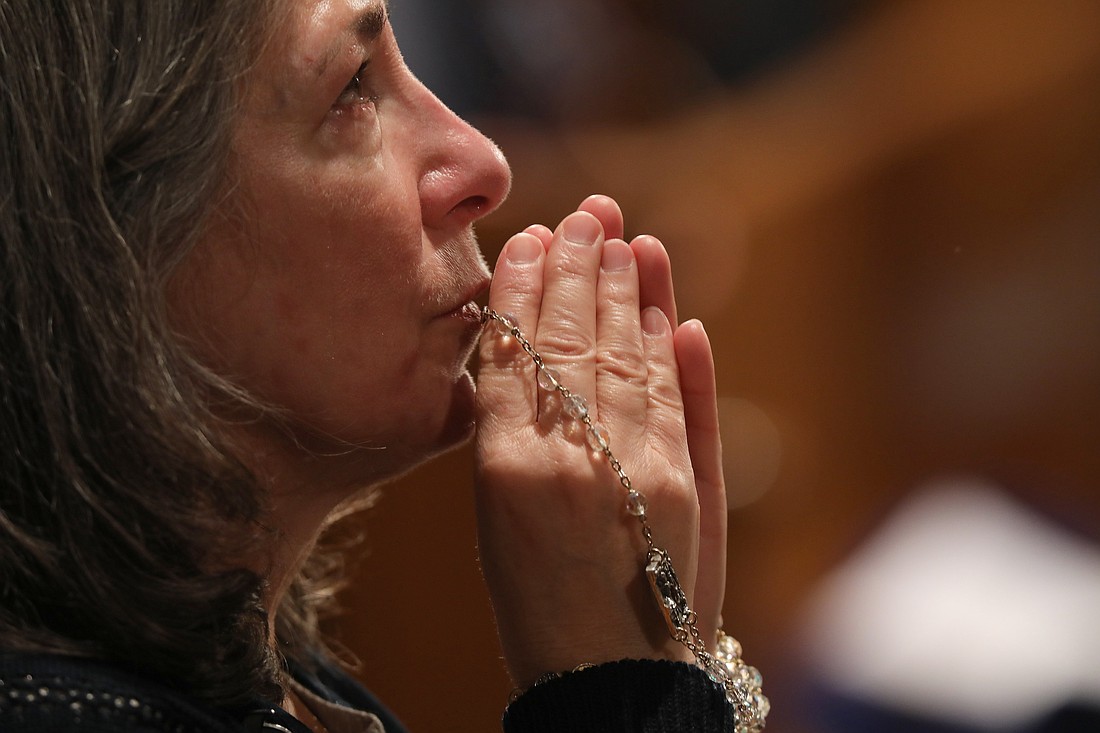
(305, 490)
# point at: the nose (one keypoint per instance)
(464, 175)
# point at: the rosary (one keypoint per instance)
(740, 682)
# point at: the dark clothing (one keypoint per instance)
(45, 694)
(630, 695)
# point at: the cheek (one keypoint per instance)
(316, 306)
(349, 240)
(339, 361)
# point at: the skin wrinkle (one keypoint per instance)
(366, 28)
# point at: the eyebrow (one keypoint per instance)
(370, 23)
(367, 26)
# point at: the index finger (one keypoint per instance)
(506, 395)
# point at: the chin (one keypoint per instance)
(353, 471)
(456, 429)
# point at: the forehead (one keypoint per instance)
(318, 31)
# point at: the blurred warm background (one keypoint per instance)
(887, 214)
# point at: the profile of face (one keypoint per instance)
(335, 283)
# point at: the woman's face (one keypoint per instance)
(334, 285)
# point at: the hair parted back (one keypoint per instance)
(119, 506)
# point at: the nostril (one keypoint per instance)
(473, 206)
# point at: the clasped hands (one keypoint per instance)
(563, 559)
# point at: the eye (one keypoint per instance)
(355, 92)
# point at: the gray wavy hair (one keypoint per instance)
(121, 508)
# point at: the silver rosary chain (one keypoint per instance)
(740, 682)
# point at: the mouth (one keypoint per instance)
(467, 308)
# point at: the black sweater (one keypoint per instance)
(43, 694)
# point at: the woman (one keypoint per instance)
(238, 284)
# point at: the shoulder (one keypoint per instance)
(40, 692)
(51, 693)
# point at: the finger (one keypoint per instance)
(664, 406)
(506, 395)
(607, 210)
(655, 275)
(542, 232)
(566, 333)
(621, 371)
(697, 385)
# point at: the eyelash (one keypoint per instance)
(353, 92)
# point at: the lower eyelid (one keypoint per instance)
(362, 111)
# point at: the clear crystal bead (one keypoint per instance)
(729, 648)
(636, 504)
(505, 323)
(576, 407)
(549, 379)
(749, 677)
(598, 438)
(763, 705)
(717, 672)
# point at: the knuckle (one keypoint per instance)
(622, 364)
(618, 294)
(515, 292)
(572, 269)
(573, 343)
(664, 395)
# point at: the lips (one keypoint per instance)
(466, 308)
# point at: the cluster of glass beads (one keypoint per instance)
(741, 683)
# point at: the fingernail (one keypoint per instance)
(617, 255)
(654, 321)
(524, 249)
(581, 229)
